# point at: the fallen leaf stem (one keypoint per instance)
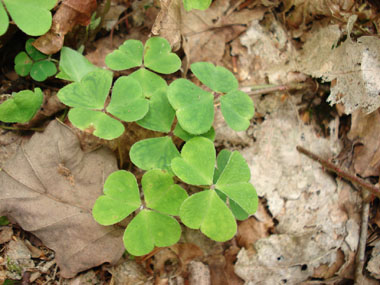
(341, 173)
(21, 129)
(269, 88)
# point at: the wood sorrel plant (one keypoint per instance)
(225, 193)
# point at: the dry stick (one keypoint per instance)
(341, 173)
(363, 186)
(360, 256)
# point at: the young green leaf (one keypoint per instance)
(4, 20)
(73, 65)
(149, 81)
(21, 107)
(34, 53)
(149, 229)
(154, 153)
(42, 70)
(237, 109)
(194, 106)
(23, 64)
(91, 92)
(196, 4)
(121, 197)
(196, 164)
(234, 179)
(207, 212)
(31, 16)
(160, 116)
(183, 135)
(218, 78)
(96, 122)
(127, 101)
(128, 55)
(158, 56)
(161, 193)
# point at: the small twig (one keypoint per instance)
(341, 173)
(21, 128)
(360, 255)
(263, 89)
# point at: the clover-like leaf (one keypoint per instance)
(218, 78)
(183, 135)
(73, 65)
(91, 92)
(196, 164)
(96, 122)
(21, 107)
(154, 153)
(233, 181)
(237, 109)
(160, 192)
(194, 107)
(121, 197)
(207, 212)
(238, 212)
(128, 55)
(4, 20)
(160, 116)
(42, 70)
(127, 101)
(23, 64)
(158, 56)
(149, 229)
(34, 53)
(196, 4)
(149, 81)
(31, 16)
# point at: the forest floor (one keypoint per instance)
(312, 69)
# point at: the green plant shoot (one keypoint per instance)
(34, 62)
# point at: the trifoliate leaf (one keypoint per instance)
(128, 55)
(149, 229)
(207, 212)
(158, 56)
(237, 109)
(127, 101)
(154, 153)
(160, 192)
(160, 116)
(91, 92)
(197, 161)
(121, 197)
(23, 64)
(42, 70)
(73, 65)
(34, 53)
(218, 78)
(183, 135)
(31, 16)
(21, 107)
(194, 106)
(96, 122)
(149, 81)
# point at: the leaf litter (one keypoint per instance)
(56, 207)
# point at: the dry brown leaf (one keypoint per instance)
(204, 33)
(68, 15)
(365, 132)
(168, 23)
(186, 252)
(5, 234)
(253, 229)
(56, 207)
